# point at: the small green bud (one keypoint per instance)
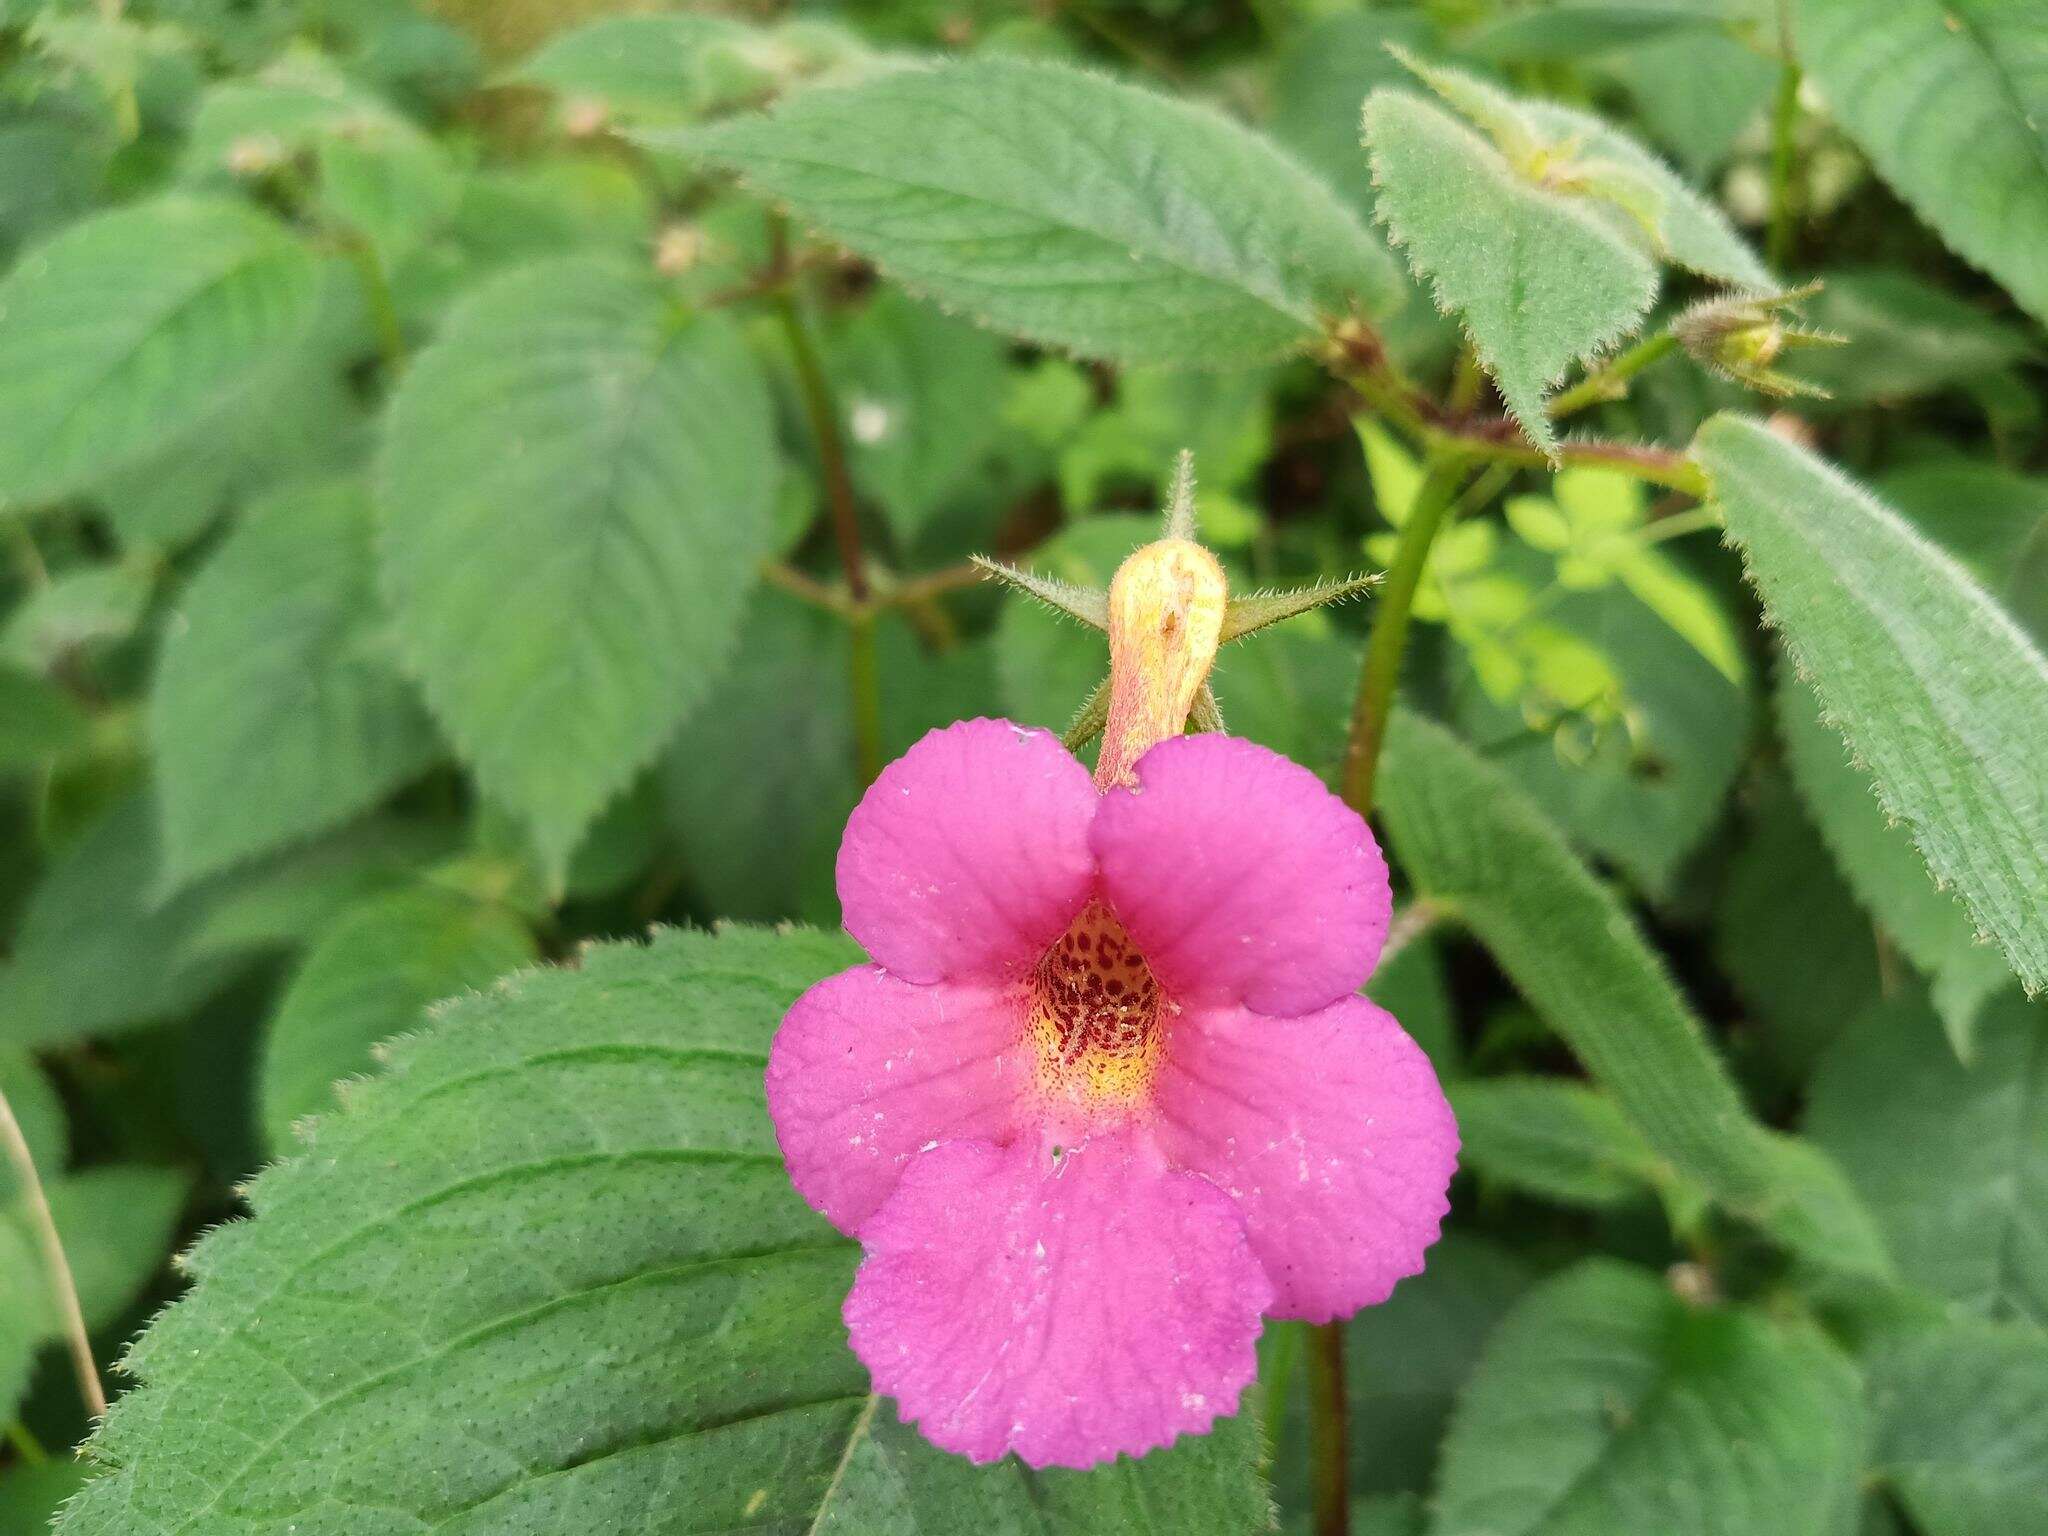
(1742, 338)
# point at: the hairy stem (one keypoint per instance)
(62, 1288)
(1388, 640)
(1610, 382)
(1329, 1431)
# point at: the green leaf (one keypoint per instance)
(1951, 1160)
(1788, 933)
(1904, 337)
(369, 977)
(1604, 1403)
(1569, 30)
(1696, 93)
(92, 954)
(1647, 786)
(1948, 99)
(1539, 282)
(135, 324)
(922, 396)
(1321, 79)
(1878, 859)
(550, 1273)
(1991, 519)
(1938, 692)
(116, 1222)
(578, 486)
(1120, 223)
(31, 1495)
(1557, 1140)
(1470, 839)
(1962, 1428)
(278, 711)
(773, 746)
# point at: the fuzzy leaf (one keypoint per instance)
(1539, 281)
(1886, 872)
(1470, 839)
(1066, 208)
(578, 486)
(135, 324)
(1951, 1160)
(1940, 694)
(278, 712)
(369, 977)
(1604, 1403)
(1949, 100)
(549, 1274)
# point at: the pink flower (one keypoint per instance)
(1107, 1093)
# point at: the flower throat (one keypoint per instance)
(1095, 1016)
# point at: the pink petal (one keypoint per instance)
(867, 1069)
(969, 855)
(1330, 1132)
(1242, 878)
(1067, 1310)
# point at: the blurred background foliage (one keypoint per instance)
(240, 844)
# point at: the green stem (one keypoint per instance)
(823, 412)
(1389, 638)
(57, 1268)
(1329, 1431)
(26, 1445)
(1611, 381)
(865, 680)
(1784, 123)
(378, 301)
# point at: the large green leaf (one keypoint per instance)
(134, 325)
(1066, 208)
(1538, 280)
(1606, 1404)
(278, 712)
(1962, 1428)
(1952, 1160)
(1877, 858)
(578, 483)
(371, 976)
(1993, 520)
(39, 1113)
(1470, 839)
(1941, 696)
(1949, 99)
(549, 1275)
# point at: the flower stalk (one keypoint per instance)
(63, 1289)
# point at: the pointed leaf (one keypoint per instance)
(1066, 208)
(278, 711)
(1539, 282)
(1939, 693)
(578, 487)
(1949, 100)
(133, 325)
(549, 1274)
